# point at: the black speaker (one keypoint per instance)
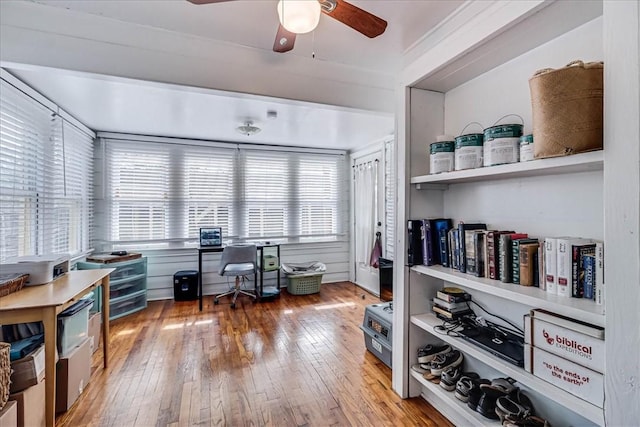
(185, 285)
(414, 244)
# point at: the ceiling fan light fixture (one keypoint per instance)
(248, 129)
(299, 16)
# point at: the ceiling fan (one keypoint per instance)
(340, 10)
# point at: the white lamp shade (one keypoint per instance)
(299, 16)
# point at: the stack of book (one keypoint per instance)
(451, 303)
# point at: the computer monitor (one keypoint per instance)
(211, 236)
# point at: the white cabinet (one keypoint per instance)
(476, 68)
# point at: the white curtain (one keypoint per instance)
(365, 178)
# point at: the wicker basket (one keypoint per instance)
(5, 373)
(567, 107)
(12, 282)
(304, 284)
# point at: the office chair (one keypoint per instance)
(239, 261)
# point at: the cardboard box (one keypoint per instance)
(95, 323)
(9, 414)
(575, 379)
(72, 375)
(27, 371)
(576, 341)
(31, 405)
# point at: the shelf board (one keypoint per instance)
(583, 162)
(428, 321)
(576, 308)
(461, 408)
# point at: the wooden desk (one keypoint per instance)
(44, 303)
(260, 250)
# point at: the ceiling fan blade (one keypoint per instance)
(356, 18)
(284, 40)
(206, 1)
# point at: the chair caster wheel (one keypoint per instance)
(215, 301)
(233, 305)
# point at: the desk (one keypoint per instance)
(44, 303)
(207, 249)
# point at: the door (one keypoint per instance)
(368, 173)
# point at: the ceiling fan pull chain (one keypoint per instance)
(313, 44)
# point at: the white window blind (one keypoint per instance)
(161, 193)
(45, 178)
(267, 186)
(209, 190)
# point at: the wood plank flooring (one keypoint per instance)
(294, 361)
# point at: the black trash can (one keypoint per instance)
(386, 279)
(185, 285)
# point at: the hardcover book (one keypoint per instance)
(463, 228)
(493, 255)
(442, 226)
(564, 263)
(453, 295)
(598, 291)
(451, 306)
(515, 257)
(550, 264)
(446, 314)
(589, 263)
(505, 254)
(427, 242)
(528, 263)
(577, 267)
(414, 243)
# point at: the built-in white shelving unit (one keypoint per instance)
(475, 68)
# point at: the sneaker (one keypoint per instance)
(464, 385)
(429, 352)
(420, 369)
(442, 361)
(487, 403)
(450, 377)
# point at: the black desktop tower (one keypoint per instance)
(185, 285)
(414, 244)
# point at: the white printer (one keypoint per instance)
(40, 268)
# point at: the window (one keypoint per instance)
(45, 179)
(160, 192)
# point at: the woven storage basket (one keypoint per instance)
(10, 283)
(5, 373)
(567, 107)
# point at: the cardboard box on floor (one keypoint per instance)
(72, 375)
(95, 323)
(9, 414)
(30, 405)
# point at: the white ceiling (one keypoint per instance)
(171, 68)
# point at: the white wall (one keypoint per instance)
(163, 264)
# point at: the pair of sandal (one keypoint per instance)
(516, 410)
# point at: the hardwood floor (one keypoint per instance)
(293, 361)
